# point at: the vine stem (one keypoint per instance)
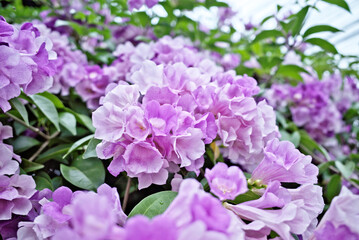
(42, 147)
(34, 129)
(127, 193)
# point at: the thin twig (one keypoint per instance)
(127, 193)
(34, 129)
(42, 147)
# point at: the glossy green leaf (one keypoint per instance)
(333, 187)
(19, 106)
(55, 152)
(24, 143)
(308, 144)
(320, 28)
(78, 144)
(324, 44)
(47, 108)
(68, 121)
(325, 166)
(91, 148)
(42, 183)
(28, 166)
(55, 100)
(292, 71)
(299, 20)
(268, 34)
(347, 169)
(340, 3)
(292, 137)
(248, 196)
(154, 204)
(84, 173)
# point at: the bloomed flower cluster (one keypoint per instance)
(317, 105)
(16, 191)
(26, 62)
(76, 215)
(178, 102)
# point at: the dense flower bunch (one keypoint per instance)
(179, 101)
(317, 105)
(16, 191)
(79, 215)
(339, 222)
(70, 63)
(26, 62)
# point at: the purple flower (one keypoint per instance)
(144, 161)
(8, 166)
(341, 218)
(282, 162)
(137, 4)
(226, 182)
(160, 227)
(82, 214)
(15, 194)
(200, 216)
(93, 86)
(26, 61)
(329, 231)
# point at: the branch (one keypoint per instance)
(43, 146)
(34, 129)
(127, 193)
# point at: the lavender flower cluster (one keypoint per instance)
(318, 106)
(178, 102)
(17, 192)
(26, 62)
(197, 214)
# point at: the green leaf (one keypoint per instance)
(340, 3)
(42, 183)
(56, 182)
(248, 196)
(47, 108)
(28, 166)
(68, 121)
(91, 148)
(292, 137)
(19, 106)
(292, 71)
(154, 204)
(24, 143)
(52, 153)
(320, 28)
(333, 187)
(268, 34)
(324, 166)
(324, 44)
(347, 169)
(77, 144)
(299, 20)
(307, 143)
(87, 174)
(55, 100)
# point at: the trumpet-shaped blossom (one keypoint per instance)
(15, 194)
(8, 165)
(226, 182)
(284, 163)
(341, 218)
(83, 215)
(160, 227)
(200, 216)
